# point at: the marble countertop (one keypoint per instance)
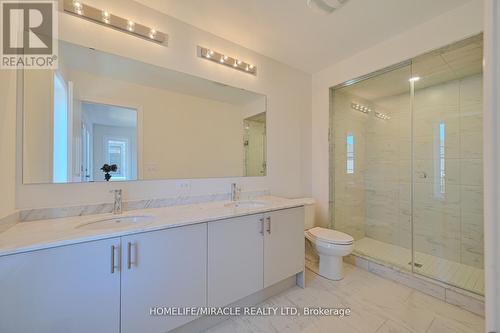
(43, 234)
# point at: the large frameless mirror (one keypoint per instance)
(103, 117)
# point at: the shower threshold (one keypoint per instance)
(453, 273)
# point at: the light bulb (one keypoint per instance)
(130, 26)
(414, 79)
(105, 16)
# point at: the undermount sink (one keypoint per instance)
(118, 221)
(247, 204)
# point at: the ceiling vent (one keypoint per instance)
(327, 6)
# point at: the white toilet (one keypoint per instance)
(330, 245)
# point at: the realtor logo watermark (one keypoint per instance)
(29, 34)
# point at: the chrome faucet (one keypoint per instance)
(235, 192)
(117, 205)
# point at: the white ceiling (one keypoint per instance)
(290, 32)
(109, 115)
(449, 63)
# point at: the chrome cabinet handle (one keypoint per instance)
(129, 255)
(113, 266)
(261, 225)
(268, 219)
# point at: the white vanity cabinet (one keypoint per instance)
(165, 268)
(111, 285)
(70, 289)
(283, 244)
(235, 259)
(250, 253)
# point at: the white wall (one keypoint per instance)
(182, 136)
(38, 118)
(289, 102)
(452, 26)
(7, 141)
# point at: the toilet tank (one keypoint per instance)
(309, 216)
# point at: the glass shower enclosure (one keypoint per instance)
(406, 176)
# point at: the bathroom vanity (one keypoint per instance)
(89, 122)
(93, 274)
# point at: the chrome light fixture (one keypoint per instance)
(106, 18)
(226, 60)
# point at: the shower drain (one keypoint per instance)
(416, 264)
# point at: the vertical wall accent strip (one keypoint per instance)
(491, 146)
(412, 169)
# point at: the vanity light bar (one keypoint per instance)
(105, 18)
(382, 115)
(362, 108)
(223, 59)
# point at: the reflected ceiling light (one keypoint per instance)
(382, 116)
(222, 59)
(414, 79)
(359, 107)
(106, 18)
(327, 6)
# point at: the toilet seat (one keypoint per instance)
(330, 236)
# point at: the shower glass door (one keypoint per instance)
(406, 165)
(448, 165)
(370, 149)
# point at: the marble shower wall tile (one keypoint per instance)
(60, 212)
(375, 201)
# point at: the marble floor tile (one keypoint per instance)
(448, 271)
(392, 327)
(378, 306)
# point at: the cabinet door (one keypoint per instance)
(283, 244)
(165, 268)
(69, 289)
(235, 259)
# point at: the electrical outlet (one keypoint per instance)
(183, 185)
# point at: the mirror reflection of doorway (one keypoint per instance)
(255, 145)
(109, 136)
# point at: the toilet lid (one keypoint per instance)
(331, 236)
